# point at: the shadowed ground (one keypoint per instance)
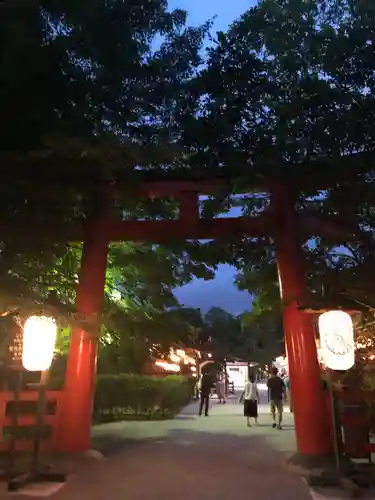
(191, 458)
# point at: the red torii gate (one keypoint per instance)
(279, 221)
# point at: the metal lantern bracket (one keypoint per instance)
(320, 305)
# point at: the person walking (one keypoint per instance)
(276, 395)
(251, 400)
(220, 387)
(206, 384)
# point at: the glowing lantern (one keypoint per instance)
(336, 340)
(39, 339)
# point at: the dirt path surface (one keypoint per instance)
(190, 458)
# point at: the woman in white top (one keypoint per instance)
(251, 400)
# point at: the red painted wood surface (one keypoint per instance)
(365, 448)
(155, 231)
(171, 189)
(312, 422)
(29, 420)
(76, 406)
(355, 397)
(356, 425)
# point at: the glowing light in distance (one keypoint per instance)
(170, 367)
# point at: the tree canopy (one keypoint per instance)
(288, 95)
(93, 92)
(87, 91)
(249, 336)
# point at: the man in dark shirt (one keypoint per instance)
(276, 394)
(205, 388)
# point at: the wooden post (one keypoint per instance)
(76, 407)
(310, 412)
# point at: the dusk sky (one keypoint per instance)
(218, 292)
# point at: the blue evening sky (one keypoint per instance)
(218, 292)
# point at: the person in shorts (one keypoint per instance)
(276, 395)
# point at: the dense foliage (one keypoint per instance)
(87, 97)
(288, 95)
(121, 397)
(247, 337)
(92, 91)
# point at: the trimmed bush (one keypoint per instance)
(139, 397)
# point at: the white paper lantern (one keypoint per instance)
(337, 340)
(39, 339)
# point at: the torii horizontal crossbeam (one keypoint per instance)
(155, 231)
(163, 231)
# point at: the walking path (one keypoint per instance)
(191, 458)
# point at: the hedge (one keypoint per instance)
(127, 396)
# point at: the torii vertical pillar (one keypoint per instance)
(76, 411)
(312, 422)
